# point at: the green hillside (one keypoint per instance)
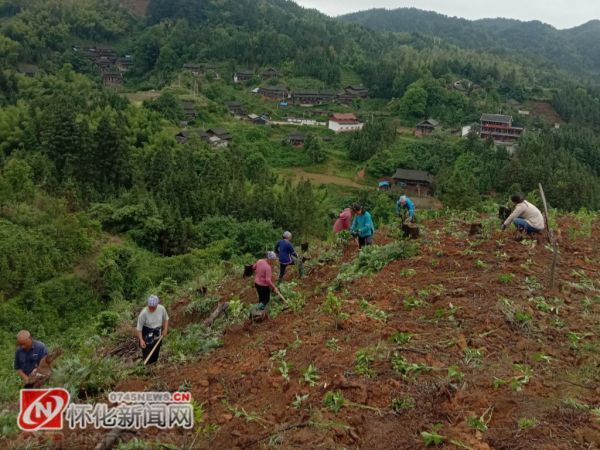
(571, 49)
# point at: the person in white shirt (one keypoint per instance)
(153, 322)
(525, 216)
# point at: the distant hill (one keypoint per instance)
(572, 49)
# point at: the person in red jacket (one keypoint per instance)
(263, 281)
(344, 221)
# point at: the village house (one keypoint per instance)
(220, 133)
(415, 182)
(351, 93)
(426, 127)
(236, 109)
(279, 93)
(124, 64)
(499, 127)
(112, 79)
(296, 139)
(194, 69)
(211, 70)
(269, 73)
(210, 137)
(189, 109)
(345, 122)
(308, 97)
(29, 70)
(258, 120)
(242, 76)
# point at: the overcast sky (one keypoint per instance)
(560, 13)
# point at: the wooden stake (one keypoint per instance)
(551, 237)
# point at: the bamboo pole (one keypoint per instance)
(551, 237)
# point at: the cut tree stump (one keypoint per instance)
(410, 231)
(475, 229)
(218, 311)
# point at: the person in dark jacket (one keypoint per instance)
(286, 253)
(28, 357)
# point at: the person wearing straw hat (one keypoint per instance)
(263, 281)
(152, 328)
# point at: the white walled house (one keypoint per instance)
(344, 123)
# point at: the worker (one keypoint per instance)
(525, 216)
(344, 221)
(362, 226)
(263, 279)
(29, 355)
(152, 324)
(406, 204)
(286, 253)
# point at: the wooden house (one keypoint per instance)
(351, 93)
(309, 97)
(243, 76)
(29, 70)
(189, 109)
(296, 139)
(194, 69)
(236, 109)
(415, 182)
(499, 127)
(112, 79)
(221, 133)
(426, 127)
(124, 64)
(278, 93)
(269, 73)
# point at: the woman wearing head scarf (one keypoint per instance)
(263, 282)
(287, 255)
(406, 204)
(153, 322)
(344, 221)
(362, 226)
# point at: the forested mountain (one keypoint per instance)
(573, 49)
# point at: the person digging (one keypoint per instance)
(152, 328)
(405, 205)
(525, 216)
(362, 226)
(263, 283)
(29, 356)
(286, 253)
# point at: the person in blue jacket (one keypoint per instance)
(408, 205)
(286, 253)
(362, 226)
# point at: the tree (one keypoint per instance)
(413, 104)
(312, 147)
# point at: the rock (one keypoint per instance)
(204, 383)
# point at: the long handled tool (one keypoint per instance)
(282, 297)
(153, 350)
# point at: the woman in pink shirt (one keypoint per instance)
(262, 279)
(344, 221)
